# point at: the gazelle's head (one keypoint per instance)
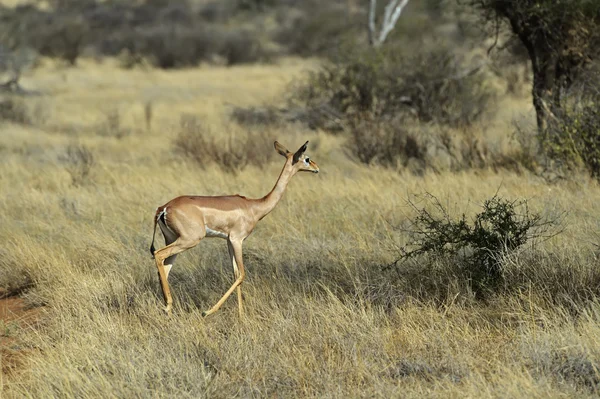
(298, 160)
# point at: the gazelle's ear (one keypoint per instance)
(281, 149)
(299, 153)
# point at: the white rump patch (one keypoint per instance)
(164, 227)
(214, 233)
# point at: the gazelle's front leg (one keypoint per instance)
(236, 274)
(236, 246)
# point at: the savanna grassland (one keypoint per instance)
(111, 116)
(326, 314)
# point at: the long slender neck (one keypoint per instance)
(268, 202)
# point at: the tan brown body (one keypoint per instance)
(186, 220)
(231, 215)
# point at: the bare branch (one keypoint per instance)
(372, 12)
(388, 10)
(392, 13)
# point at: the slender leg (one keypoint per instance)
(236, 274)
(160, 255)
(168, 263)
(237, 253)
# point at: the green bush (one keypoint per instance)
(499, 229)
(574, 137)
(433, 85)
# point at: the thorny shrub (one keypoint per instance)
(500, 228)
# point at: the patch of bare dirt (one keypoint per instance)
(15, 317)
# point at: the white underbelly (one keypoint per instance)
(214, 233)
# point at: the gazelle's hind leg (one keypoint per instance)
(170, 238)
(178, 246)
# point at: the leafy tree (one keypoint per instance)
(561, 38)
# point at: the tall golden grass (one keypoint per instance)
(325, 317)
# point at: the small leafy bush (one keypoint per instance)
(500, 228)
(232, 151)
(574, 138)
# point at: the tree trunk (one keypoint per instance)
(542, 87)
(538, 92)
(542, 68)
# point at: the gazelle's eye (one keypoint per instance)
(307, 160)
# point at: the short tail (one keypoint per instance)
(159, 213)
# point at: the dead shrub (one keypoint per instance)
(14, 110)
(14, 277)
(240, 47)
(464, 149)
(386, 143)
(316, 117)
(568, 365)
(63, 36)
(168, 46)
(422, 370)
(79, 162)
(232, 151)
(524, 153)
(255, 116)
(111, 125)
(404, 143)
(148, 113)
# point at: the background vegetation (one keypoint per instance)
(449, 246)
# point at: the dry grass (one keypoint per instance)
(324, 318)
